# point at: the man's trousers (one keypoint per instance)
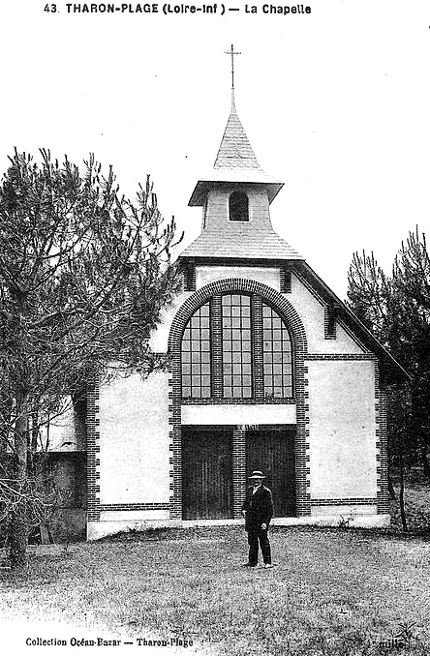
(253, 538)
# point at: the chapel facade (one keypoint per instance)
(268, 370)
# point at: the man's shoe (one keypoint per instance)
(248, 565)
(267, 565)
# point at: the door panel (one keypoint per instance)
(272, 451)
(207, 473)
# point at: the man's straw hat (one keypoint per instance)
(257, 474)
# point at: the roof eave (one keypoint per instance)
(202, 187)
(392, 365)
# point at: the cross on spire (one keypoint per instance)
(232, 53)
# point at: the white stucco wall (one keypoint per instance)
(134, 440)
(307, 306)
(266, 275)
(65, 432)
(226, 415)
(342, 429)
(311, 312)
(346, 511)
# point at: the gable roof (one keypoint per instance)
(392, 368)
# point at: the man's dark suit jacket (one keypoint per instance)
(259, 508)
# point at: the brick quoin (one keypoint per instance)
(383, 502)
(93, 449)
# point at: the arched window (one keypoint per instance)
(238, 206)
(277, 356)
(236, 346)
(196, 356)
(249, 342)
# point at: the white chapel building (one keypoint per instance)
(268, 370)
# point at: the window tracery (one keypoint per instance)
(248, 327)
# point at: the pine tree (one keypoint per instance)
(396, 309)
(84, 274)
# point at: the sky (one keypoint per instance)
(336, 104)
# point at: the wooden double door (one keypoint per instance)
(207, 469)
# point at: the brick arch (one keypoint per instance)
(277, 300)
(298, 336)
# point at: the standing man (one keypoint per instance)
(257, 509)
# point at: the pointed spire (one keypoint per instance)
(236, 161)
(235, 150)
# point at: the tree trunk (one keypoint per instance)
(402, 496)
(391, 490)
(426, 466)
(32, 451)
(18, 535)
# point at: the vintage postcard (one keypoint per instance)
(290, 142)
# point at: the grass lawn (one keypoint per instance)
(332, 591)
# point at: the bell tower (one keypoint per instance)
(235, 196)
